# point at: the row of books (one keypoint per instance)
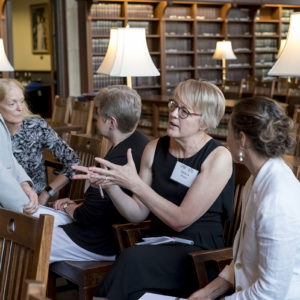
(96, 62)
(265, 58)
(99, 45)
(209, 28)
(107, 10)
(174, 45)
(102, 27)
(174, 61)
(140, 11)
(173, 78)
(102, 80)
(266, 28)
(265, 43)
(242, 14)
(241, 29)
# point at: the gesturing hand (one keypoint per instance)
(94, 182)
(125, 176)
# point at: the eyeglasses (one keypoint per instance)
(183, 112)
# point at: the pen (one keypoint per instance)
(100, 188)
(101, 192)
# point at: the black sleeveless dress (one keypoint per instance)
(168, 269)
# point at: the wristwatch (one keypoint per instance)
(50, 190)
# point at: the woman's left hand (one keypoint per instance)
(33, 204)
(125, 176)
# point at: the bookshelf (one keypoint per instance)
(104, 15)
(154, 118)
(181, 37)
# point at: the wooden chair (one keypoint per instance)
(62, 109)
(82, 114)
(34, 290)
(297, 172)
(296, 131)
(233, 89)
(248, 86)
(222, 256)
(87, 275)
(264, 88)
(293, 98)
(87, 148)
(25, 244)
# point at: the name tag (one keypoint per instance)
(184, 174)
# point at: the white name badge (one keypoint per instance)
(184, 174)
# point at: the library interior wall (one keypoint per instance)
(73, 47)
(24, 59)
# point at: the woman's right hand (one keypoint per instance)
(58, 204)
(200, 295)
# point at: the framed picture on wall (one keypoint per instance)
(40, 29)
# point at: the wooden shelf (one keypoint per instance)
(184, 34)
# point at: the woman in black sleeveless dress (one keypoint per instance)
(185, 187)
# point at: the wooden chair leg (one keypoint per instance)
(51, 286)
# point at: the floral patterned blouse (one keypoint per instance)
(28, 143)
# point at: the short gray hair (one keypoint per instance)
(122, 103)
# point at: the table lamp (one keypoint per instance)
(224, 51)
(127, 55)
(5, 65)
(288, 62)
(282, 44)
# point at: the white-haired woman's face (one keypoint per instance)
(11, 108)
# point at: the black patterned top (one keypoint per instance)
(28, 143)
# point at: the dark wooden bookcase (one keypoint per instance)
(181, 37)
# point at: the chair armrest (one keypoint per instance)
(128, 234)
(220, 256)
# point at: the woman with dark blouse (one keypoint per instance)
(30, 135)
(185, 186)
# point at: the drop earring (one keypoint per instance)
(241, 156)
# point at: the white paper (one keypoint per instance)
(151, 296)
(60, 217)
(158, 240)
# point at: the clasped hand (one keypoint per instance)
(109, 174)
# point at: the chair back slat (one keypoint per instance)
(233, 89)
(82, 114)
(25, 244)
(62, 109)
(264, 88)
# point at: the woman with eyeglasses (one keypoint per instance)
(185, 187)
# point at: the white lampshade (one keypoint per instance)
(288, 63)
(127, 54)
(5, 66)
(282, 45)
(224, 50)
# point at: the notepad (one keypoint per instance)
(151, 296)
(159, 240)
